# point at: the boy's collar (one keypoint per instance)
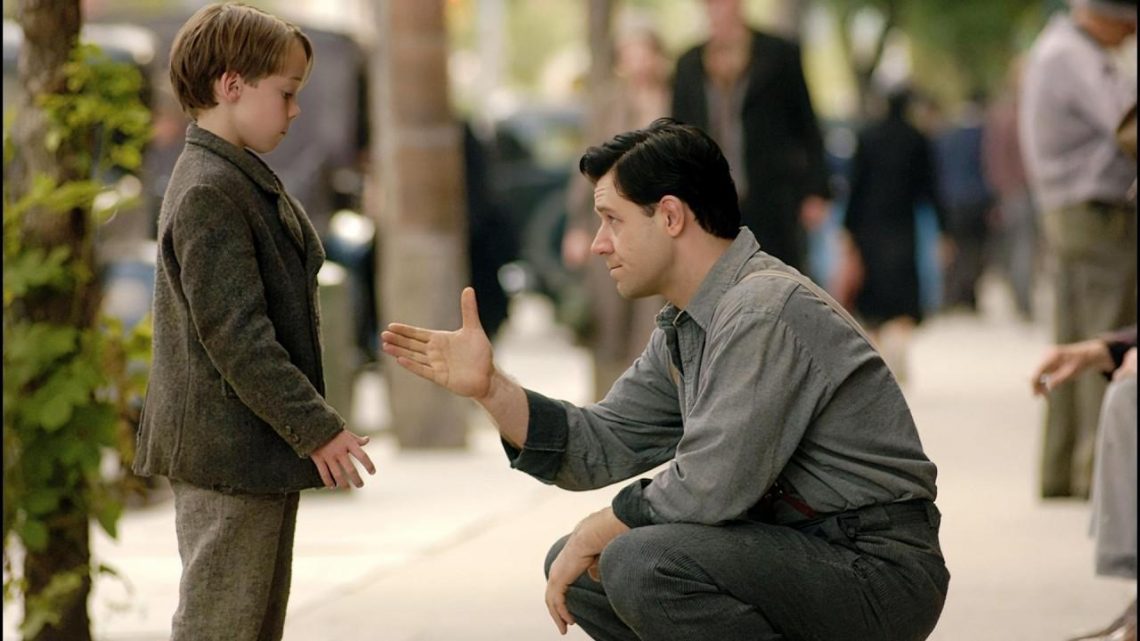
(248, 162)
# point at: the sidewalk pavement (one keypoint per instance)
(449, 546)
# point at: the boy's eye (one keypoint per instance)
(288, 96)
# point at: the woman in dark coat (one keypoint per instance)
(892, 174)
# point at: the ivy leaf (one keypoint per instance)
(31, 350)
(41, 501)
(52, 405)
(45, 607)
(108, 513)
(70, 452)
(34, 534)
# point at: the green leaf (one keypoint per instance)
(41, 501)
(32, 349)
(108, 513)
(34, 534)
(51, 405)
(45, 607)
(70, 452)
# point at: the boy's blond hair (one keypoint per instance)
(229, 36)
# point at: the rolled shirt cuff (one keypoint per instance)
(630, 506)
(547, 431)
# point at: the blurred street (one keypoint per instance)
(449, 546)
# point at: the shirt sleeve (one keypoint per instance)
(760, 392)
(635, 428)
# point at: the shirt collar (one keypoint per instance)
(724, 274)
(248, 162)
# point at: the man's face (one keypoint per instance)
(635, 247)
(725, 17)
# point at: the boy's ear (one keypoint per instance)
(228, 87)
(673, 212)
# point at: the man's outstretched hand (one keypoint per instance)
(459, 361)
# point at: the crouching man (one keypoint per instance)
(796, 502)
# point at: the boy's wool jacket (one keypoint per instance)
(235, 400)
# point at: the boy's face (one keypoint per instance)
(264, 110)
(636, 248)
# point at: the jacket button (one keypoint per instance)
(295, 438)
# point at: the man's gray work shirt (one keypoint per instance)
(773, 384)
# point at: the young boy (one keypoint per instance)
(234, 413)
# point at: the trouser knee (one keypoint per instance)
(632, 569)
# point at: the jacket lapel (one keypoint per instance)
(288, 211)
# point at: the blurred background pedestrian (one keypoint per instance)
(1015, 229)
(747, 90)
(1074, 95)
(891, 176)
(967, 199)
(616, 329)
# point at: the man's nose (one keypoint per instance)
(601, 245)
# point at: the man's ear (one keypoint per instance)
(228, 87)
(674, 212)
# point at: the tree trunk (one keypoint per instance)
(599, 35)
(68, 550)
(423, 257)
(51, 29)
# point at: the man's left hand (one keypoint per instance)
(580, 554)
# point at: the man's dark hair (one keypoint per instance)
(670, 158)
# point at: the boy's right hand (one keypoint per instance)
(459, 361)
(334, 460)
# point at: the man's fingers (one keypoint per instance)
(555, 613)
(558, 622)
(399, 346)
(469, 309)
(556, 586)
(563, 611)
(423, 371)
(411, 355)
(409, 331)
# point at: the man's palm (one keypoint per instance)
(460, 360)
